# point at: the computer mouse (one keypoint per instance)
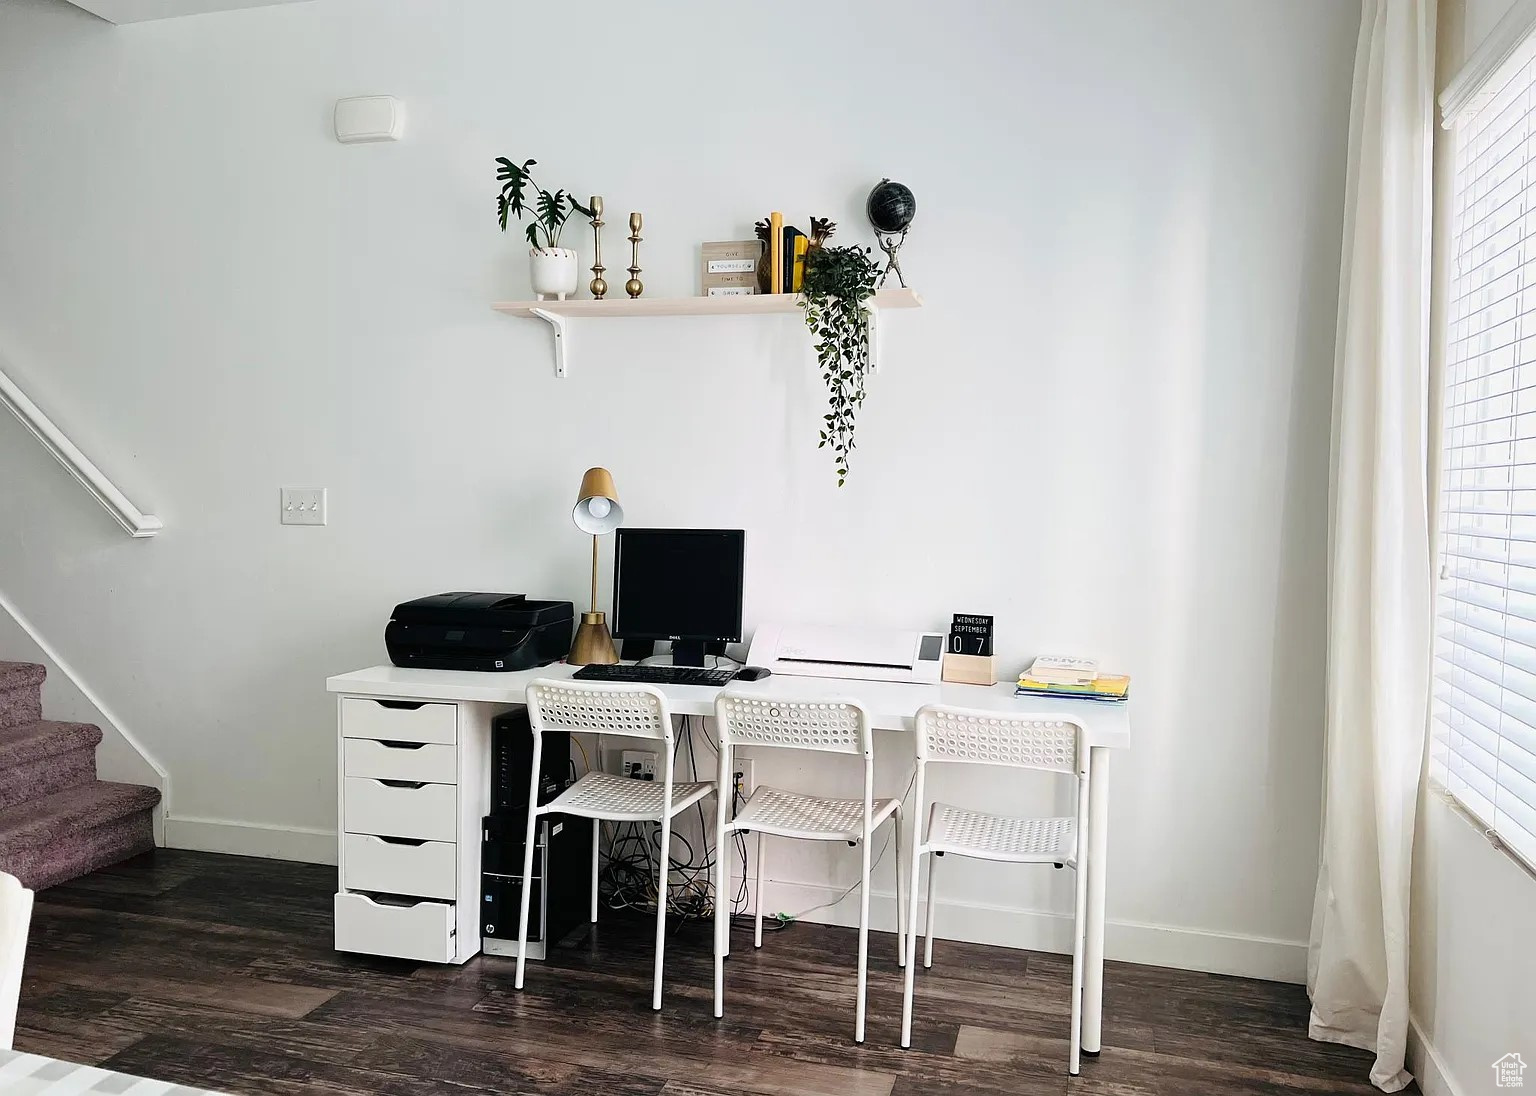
(753, 673)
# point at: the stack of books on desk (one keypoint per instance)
(1051, 675)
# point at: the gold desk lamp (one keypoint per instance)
(597, 512)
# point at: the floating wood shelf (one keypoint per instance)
(558, 313)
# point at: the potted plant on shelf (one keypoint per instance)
(839, 281)
(552, 268)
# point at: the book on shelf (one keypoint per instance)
(1110, 687)
(775, 252)
(795, 246)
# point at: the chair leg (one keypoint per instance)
(901, 898)
(907, 992)
(1079, 931)
(722, 914)
(863, 939)
(1080, 906)
(597, 848)
(533, 823)
(933, 869)
(762, 891)
(663, 870)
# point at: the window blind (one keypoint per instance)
(1483, 747)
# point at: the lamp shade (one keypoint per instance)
(597, 505)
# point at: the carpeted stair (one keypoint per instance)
(57, 821)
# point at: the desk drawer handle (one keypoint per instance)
(391, 744)
(404, 783)
(412, 841)
(402, 705)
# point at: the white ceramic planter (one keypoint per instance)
(554, 272)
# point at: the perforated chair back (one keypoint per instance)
(624, 710)
(969, 736)
(832, 726)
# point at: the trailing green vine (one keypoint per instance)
(838, 283)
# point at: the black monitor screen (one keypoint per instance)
(678, 583)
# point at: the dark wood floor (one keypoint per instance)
(217, 971)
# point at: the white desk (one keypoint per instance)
(892, 707)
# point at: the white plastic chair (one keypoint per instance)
(15, 920)
(625, 711)
(830, 726)
(963, 736)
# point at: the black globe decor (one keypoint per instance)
(890, 208)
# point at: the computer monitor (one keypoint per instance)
(679, 584)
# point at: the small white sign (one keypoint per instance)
(731, 291)
(732, 266)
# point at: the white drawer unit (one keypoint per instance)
(412, 761)
(414, 782)
(405, 928)
(399, 720)
(393, 865)
(391, 809)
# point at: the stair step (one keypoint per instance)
(28, 742)
(82, 851)
(21, 693)
(41, 821)
(40, 759)
(21, 675)
(45, 777)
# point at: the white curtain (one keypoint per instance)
(1379, 589)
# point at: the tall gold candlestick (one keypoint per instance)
(598, 287)
(634, 287)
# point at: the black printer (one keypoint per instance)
(468, 631)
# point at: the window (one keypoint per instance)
(1484, 707)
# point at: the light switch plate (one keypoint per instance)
(303, 505)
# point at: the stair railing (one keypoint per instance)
(130, 517)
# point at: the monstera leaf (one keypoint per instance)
(549, 211)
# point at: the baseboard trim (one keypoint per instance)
(1041, 930)
(981, 923)
(251, 839)
(1428, 1068)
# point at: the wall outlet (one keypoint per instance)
(303, 505)
(639, 764)
(742, 766)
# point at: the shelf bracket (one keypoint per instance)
(872, 328)
(557, 325)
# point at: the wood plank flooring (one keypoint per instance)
(217, 971)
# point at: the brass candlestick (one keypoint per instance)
(634, 287)
(598, 287)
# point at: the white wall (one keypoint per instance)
(1471, 966)
(120, 756)
(1109, 426)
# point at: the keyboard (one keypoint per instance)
(657, 675)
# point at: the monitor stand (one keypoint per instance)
(688, 652)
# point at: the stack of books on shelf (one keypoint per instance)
(1051, 675)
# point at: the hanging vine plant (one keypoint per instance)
(839, 281)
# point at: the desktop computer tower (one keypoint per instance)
(561, 896)
(560, 901)
(512, 763)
